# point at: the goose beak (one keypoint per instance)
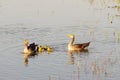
(70, 35)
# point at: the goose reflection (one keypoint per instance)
(71, 54)
(75, 54)
(72, 60)
(71, 57)
(26, 59)
(27, 56)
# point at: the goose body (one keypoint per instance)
(49, 49)
(31, 49)
(80, 46)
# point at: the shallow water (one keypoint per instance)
(100, 62)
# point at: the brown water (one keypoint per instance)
(49, 22)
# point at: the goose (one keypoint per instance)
(40, 49)
(48, 48)
(31, 48)
(80, 46)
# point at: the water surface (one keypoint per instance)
(49, 24)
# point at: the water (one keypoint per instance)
(49, 25)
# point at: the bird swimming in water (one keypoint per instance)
(49, 49)
(45, 48)
(40, 49)
(79, 47)
(31, 48)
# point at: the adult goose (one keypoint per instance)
(80, 46)
(31, 48)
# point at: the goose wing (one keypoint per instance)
(82, 45)
(32, 46)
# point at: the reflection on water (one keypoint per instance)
(97, 62)
(72, 54)
(99, 68)
(71, 57)
(26, 59)
(28, 56)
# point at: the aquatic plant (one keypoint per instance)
(118, 36)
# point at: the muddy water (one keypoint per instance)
(49, 25)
